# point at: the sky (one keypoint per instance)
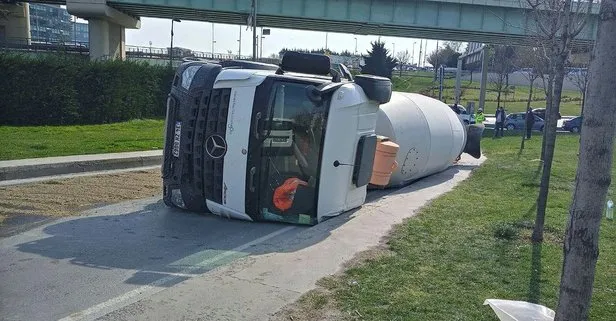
(197, 36)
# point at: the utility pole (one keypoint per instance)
(254, 30)
(420, 52)
(413, 54)
(239, 48)
(355, 53)
(394, 52)
(213, 41)
(484, 77)
(261, 44)
(425, 52)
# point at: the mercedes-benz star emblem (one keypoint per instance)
(215, 146)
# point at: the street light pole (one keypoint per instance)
(239, 49)
(355, 46)
(254, 30)
(326, 35)
(213, 41)
(393, 53)
(261, 44)
(171, 47)
(413, 54)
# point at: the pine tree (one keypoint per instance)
(378, 62)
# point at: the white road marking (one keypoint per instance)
(139, 293)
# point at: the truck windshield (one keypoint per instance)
(290, 153)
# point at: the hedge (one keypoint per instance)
(65, 90)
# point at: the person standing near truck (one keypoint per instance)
(499, 121)
(480, 118)
(530, 122)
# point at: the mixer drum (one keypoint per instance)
(429, 133)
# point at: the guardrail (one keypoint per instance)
(132, 52)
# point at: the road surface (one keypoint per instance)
(140, 260)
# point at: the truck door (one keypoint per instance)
(285, 153)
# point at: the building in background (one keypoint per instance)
(53, 24)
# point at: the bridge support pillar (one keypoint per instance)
(106, 27)
(15, 23)
(107, 40)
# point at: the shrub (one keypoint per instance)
(506, 231)
(59, 90)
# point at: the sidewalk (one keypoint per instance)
(50, 166)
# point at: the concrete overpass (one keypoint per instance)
(485, 21)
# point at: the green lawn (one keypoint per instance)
(44, 141)
(514, 101)
(447, 260)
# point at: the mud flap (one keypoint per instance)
(473, 140)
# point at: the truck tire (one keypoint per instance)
(376, 88)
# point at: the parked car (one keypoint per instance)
(464, 115)
(541, 113)
(516, 121)
(573, 125)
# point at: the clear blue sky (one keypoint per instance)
(198, 36)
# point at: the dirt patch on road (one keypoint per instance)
(65, 197)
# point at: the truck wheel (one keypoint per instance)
(376, 88)
(510, 127)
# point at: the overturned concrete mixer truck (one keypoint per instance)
(297, 142)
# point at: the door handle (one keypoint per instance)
(251, 180)
(257, 122)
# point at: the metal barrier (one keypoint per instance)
(132, 52)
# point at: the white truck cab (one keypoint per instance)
(260, 142)
(294, 143)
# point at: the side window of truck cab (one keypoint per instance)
(287, 160)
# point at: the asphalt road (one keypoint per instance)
(140, 260)
(73, 264)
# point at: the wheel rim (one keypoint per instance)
(575, 129)
(510, 127)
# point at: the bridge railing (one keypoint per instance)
(132, 52)
(35, 45)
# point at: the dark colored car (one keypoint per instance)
(516, 121)
(573, 125)
(541, 113)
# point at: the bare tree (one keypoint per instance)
(558, 23)
(534, 64)
(455, 45)
(403, 58)
(581, 247)
(580, 80)
(501, 64)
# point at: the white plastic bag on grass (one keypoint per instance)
(508, 310)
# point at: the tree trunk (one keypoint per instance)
(498, 96)
(581, 247)
(583, 103)
(549, 99)
(530, 98)
(549, 139)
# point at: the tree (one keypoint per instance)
(558, 23)
(455, 45)
(581, 246)
(534, 64)
(403, 58)
(580, 79)
(502, 63)
(444, 56)
(378, 62)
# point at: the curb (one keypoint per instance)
(31, 168)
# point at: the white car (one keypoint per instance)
(464, 115)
